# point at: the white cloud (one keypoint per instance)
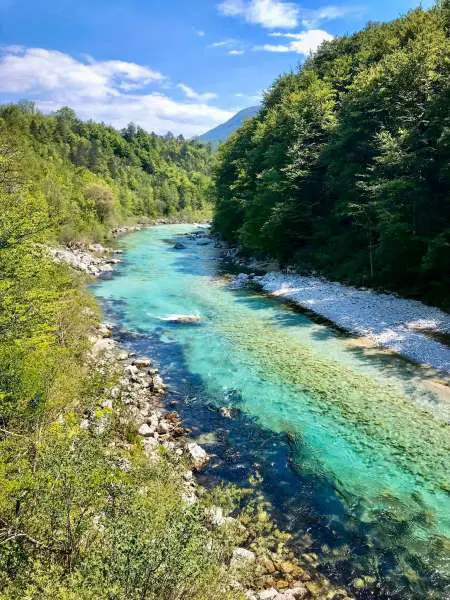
(273, 48)
(193, 95)
(312, 18)
(109, 91)
(223, 43)
(199, 32)
(27, 69)
(305, 42)
(236, 52)
(267, 13)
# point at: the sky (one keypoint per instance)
(169, 65)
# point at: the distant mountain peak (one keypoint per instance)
(222, 132)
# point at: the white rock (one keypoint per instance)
(150, 445)
(241, 558)
(268, 594)
(163, 427)
(145, 430)
(197, 454)
(131, 371)
(298, 592)
(158, 383)
(141, 363)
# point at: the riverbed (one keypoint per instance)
(349, 449)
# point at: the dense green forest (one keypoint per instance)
(346, 170)
(90, 176)
(74, 523)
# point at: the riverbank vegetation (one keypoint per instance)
(345, 170)
(83, 513)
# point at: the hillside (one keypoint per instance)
(345, 170)
(91, 177)
(222, 132)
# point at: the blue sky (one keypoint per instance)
(179, 65)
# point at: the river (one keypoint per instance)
(348, 447)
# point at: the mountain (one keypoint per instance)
(222, 132)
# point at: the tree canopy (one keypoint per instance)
(346, 168)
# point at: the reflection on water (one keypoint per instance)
(352, 448)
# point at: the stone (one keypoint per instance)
(267, 564)
(242, 557)
(188, 476)
(298, 592)
(269, 594)
(163, 427)
(284, 596)
(197, 454)
(131, 371)
(158, 384)
(142, 363)
(218, 519)
(107, 403)
(115, 392)
(179, 246)
(225, 411)
(287, 567)
(145, 430)
(150, 445)
(105, 329)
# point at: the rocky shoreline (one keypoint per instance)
(406, 327)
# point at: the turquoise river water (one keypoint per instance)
(352, 446)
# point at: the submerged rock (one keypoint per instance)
(183, 319)
(179, 246)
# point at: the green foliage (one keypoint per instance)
(83, 514)
(89, 176)
(346, 168)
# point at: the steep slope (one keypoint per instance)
(222, 132)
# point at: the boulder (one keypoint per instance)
(242, 558)
(157, 384)
(183, 319)
(131, 371)
(268, 594)
(298, 592)
(179, 246)
(142, 363)
(197, 455)
(145, 430)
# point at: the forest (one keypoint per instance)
(74, 524)
(89, 176)
(346, 169)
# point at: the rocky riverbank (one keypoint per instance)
(407, 327)
(263, 565)
(95, 260)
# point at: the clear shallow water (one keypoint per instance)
(353, 450)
